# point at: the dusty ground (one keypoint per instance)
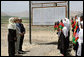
(44, 42)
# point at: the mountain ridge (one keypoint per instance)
(26, 13)
(19, 14)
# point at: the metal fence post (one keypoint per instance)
(68, 10)
(30, 22)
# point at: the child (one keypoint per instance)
(75, 37)
(80, 41)
(61, 25)
(67, 25)
(55, 26)
(63, 36)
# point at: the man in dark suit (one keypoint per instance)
(22, 29)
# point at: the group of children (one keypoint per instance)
(16, 33)
(77, 29)
(63, 31)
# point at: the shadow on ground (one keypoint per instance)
(56, 43)
(50, 43)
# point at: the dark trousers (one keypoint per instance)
(67, 40)
(76, 48)
(21, 43)
(82, 50)
(11, 48)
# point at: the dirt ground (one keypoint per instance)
(44, 42)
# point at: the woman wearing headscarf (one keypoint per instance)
(11, 37)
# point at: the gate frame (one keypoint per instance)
(30, 40)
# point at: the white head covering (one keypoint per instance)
(78, 20)
(65, 31)
(11, 21)
(82, 23)
(67, 20)
(66, 24)
(20, 18)
(11, 24)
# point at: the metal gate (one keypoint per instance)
(43, 16)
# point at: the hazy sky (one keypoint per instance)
(14, 6)
(76, 5)
(19, 6)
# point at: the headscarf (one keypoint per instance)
(11, 24)
(82, 23)
(66, 24)
(79, 20)
(67, 20)
(65, 31)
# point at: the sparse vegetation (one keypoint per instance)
(4, 19)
